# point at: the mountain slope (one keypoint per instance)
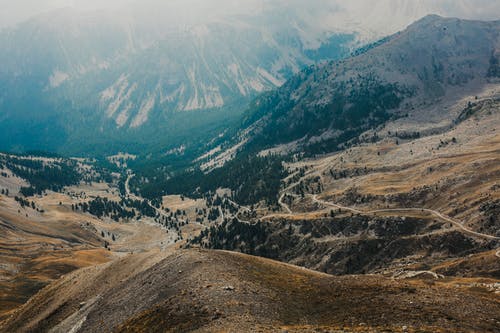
(422, 81)
(115, 79)
(68, 76)
(211, 290)
(405, 75)
(400, 203)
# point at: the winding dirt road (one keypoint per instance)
(431, 211)
(284, 205)
(135, 197)
(314, 197)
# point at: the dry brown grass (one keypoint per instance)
(461, 175)
(41, 247)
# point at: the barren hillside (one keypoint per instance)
(405, 202)
(204, 291)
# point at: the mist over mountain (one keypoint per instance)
(119, 74)
(325, 106)
(409, 84)
(103, 73)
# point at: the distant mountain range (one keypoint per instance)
(415, 83)
(143, 78)
(92, 75)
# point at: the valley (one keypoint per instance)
(146, 78)
(375, 208)
(38, 248)
(253, 180)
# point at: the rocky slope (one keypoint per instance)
(203, 291)
(406, 75)
(352, 244)
(399, 203)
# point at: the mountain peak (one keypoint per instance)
(413, 68)
(431, 17)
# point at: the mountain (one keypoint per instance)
(371, 20)
(419, 82)
(406, 75)
(143, 76)
(402, 162)
(69, 76)
(378, 170)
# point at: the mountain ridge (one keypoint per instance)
(260, 294)
(401, 75)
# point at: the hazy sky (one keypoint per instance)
(15, 11)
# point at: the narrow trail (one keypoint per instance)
(221, 212)
(135, 197)
(127, 188)
(238, 205)
(284, 205)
